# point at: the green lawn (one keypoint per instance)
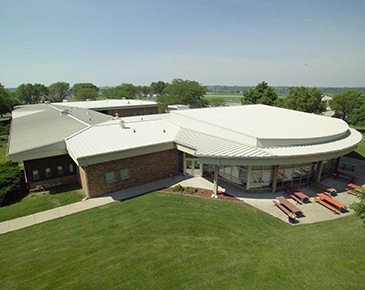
(167, 241)
(234, 98)
(32, 204)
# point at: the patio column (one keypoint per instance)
(215, 186)
(275, 179)
(338, 163)
(319, 171)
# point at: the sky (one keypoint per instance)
(222, 42)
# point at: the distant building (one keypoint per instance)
(254, 147)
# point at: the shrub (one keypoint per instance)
(178, 187)
(9, 180)
(190, 190)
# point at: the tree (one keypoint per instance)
(346, 103)
(76, 87)
(7, 102)
(357, 118)
(359, 207)
(305, 100)
(9, 180)
(261, 94)
(84, 94)
(158, 88)
(32, 94)
(123, 91)
(187, 92)
(59, 91)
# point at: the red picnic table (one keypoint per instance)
(352, 187)
(297, 195)
(291, 207)
(324, 187)
(332, 201)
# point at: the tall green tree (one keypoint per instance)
(59, 91)
(32, 93)
(158, 88)
(346, 103)
(84, 94)
(261, 94)
(123, 91)
(304, 99)
(6, 101)
(359, 206)
(76, 87)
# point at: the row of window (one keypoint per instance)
(256, 177)
(111, 176)
(50, 174)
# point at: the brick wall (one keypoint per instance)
(142, 169)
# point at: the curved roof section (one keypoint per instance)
(261, 125)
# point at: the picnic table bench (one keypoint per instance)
(284, 210)
(350, 166)
(297, 195)
(323, 187)
(333, 202)
(291, 207)
(345, 175)
(353, 187)
(329, 206)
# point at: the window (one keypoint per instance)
(48, 172)
(59, 170)
(110, 177)
(35, 175)
(71, 168)
(124, 173)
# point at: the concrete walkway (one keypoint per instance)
(313, 212)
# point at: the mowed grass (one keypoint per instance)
(234, 98)
(32, 204)
(167, 241)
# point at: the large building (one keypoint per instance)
(254, 147)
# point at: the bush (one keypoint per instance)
(190, 190)
(9, 180)
(4, 129)
(178, 187)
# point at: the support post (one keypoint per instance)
(275, 179)
(319, 171)
(215, 186)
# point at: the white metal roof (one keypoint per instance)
(115, 136)
(107, 104)
(253, 131)
(260, 125)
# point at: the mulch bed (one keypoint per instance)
(203, 193)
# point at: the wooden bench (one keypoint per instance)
(291, 207)
(337, 204)
(345, 175)
(284, 210)
(295, 198)
(349, 166)
(350, 191)
(322, 202)
(322, 187)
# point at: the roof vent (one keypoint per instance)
(64, 112)
(122, 124)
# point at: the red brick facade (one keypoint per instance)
(142, 169)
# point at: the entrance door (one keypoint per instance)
(193, 167)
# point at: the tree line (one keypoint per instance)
(349, 105)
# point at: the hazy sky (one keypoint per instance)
(215, 42)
